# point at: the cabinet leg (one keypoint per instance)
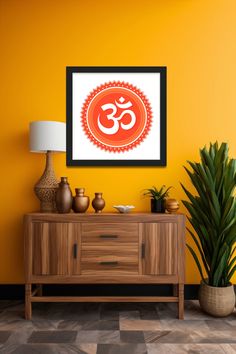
(181, 301)
(28, 305)
(175, 290)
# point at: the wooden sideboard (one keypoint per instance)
(135, 248)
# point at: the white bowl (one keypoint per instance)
(123, 208)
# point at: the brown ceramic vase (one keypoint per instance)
(98, 203)
(80, 201)
(64, 197)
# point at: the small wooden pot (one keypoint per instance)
(80, 201)
(98, 203)
(172, 205)
(217, 301)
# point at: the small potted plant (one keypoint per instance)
(157, 198)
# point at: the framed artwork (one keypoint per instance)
(116, 116)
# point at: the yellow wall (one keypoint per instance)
(195, 39)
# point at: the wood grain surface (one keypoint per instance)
(110, 233)
(161, 253)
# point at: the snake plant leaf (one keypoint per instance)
(205, 236)
(229, 208)
(222, 154)
(214, 214)
(231, 263)
(216, 254)
(232, 252)
(198, 186)
(219, 252)
(216, 146)
(195, 204)
(230, 237)
(209, 176)
(229, 191)
(208, 182)
(200, 231)
(231, 273)
(197, 262)
(230, 224)
(230, 172)
(206, 157)
(215, 203)
(200, 251)
(212, 151)
(191, 210)
(206, 240)
(189, 195)
(220, 268)
(219, 181)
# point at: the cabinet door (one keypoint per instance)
(160, 244)
(55, 248)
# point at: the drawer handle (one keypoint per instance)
(75, 248)
(109, 263)
(108, 236)
(143, 250)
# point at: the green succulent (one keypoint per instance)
(213, 214)
(157, 194)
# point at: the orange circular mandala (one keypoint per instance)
(116, 116)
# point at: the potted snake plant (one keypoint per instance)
(212, 211)
(158, 197)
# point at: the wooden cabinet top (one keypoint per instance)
(105, 217)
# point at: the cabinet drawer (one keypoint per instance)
(109, 233)
(119, 268)
(100, 259)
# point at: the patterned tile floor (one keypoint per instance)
(113, 329)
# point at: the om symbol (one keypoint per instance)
(116, 117)
(117, 123)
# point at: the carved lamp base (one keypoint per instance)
(45, 189)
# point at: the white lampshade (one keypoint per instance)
(47, 136)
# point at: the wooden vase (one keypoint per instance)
(172, 205)
(98, 203)
(64, 197)
(80, 201)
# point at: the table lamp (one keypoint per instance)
(47, 137)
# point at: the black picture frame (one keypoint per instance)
(70, 70)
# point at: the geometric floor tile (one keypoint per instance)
(4, 335)
(52, 337)
(114, 328)
(121, 349)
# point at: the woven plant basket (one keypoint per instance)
(217, 301)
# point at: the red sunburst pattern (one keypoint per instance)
(116, 116)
